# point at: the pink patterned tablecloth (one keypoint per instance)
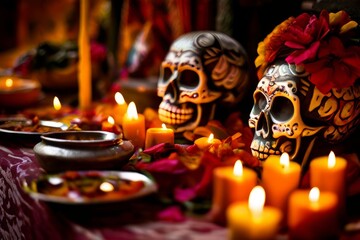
(22, 217)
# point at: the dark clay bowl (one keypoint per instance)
(82, 150)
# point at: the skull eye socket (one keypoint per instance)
(189, 79)
(282, 109)
(260, 102)
(167, 74)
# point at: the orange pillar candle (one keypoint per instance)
(134, 126)
(329, 174)
(120, 108)
(280, 177)
(84, 67)
(231, 184)
(313, 215)
(251, 220)
(155, 136)
(204, 143)
(110, 126)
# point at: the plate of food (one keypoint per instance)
(25, 129)
(90, 187)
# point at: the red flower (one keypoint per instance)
(322, 44)
(172, 214)
(337, 67)
(185, 171)
(304, 35)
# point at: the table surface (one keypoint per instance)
(22, 217)
(25, 218)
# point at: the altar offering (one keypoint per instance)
(251, 220)
(204, 143)
(54, 111)
(134, 126)
(280, 178)
(17, 92)
(313, 215)
(328, 173)
(90, 187)
(231, 184)
(110, 126)
(82, 150)
(28, 130)
(155, 136)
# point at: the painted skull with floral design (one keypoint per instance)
(289, 111)
(204, 74)
(309, 89)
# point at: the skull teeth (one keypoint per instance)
(262, 150)
(171, 114)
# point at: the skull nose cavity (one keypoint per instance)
(262, 126)
(171, 91)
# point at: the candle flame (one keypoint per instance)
(285, 160)
(256, 200)
(119, 98)
(331, 160)
(163, 126)
(238, 168)
(132, 111)
(111, 120)
(106, 187)
(211, 138)
(314, 194)
(56, 103)
(9, 82)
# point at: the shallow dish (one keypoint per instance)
(82, 150)
(24, 129)
(83, 187)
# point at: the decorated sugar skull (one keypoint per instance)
(290, 113)
(307, 101)
(203, 75)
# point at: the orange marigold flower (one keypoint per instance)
(270, 47)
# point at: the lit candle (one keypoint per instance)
(56, 103)
(120, 108)
(55, 111)
(313, 215)
(84, 68)
(205, 143)
(134, 126)
(155, 136)
(9, 83)
(110, 125)
(251, 220)
(280, 177)
(329, 174)
(231, 184)
(17, 92)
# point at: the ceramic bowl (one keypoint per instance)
(82, 150)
